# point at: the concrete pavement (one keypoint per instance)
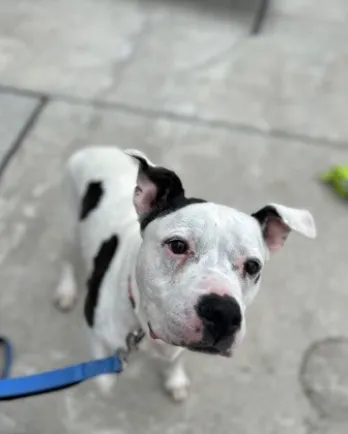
(244, 121)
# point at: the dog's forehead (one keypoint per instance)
(211, 220)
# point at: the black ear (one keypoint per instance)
(156, 187)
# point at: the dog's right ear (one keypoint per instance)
(156, 187)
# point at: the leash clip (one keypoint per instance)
(133, 340)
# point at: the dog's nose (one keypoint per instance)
(221, 316)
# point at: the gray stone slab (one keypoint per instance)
(291, 78)
(303, 298)
(85, 52)
(327, 427)
(189, 58)
(323, 10)
(15, 111)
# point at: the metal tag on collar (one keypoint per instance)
(132, 341)
(134, 338)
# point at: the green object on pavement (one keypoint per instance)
(337, 178)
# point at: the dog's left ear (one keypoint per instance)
(157, 187)
(277, 221)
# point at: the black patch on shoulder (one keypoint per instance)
(91, 198)
(101, 264)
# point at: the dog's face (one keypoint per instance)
(200, 264)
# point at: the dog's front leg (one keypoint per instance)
(176, 381)
(100, 350)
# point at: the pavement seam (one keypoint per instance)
(179, 118)
(207, 123)
(260, 17)
(24, 131)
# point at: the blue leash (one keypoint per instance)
(49, 381)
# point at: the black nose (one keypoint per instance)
(221, 316)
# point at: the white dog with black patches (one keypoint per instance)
(181, 269)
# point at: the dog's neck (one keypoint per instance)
(133, 293)
(133, 245)
(134, 300)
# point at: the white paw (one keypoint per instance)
(106, 384)
(178, 386)
(66, 292)
(64, 301)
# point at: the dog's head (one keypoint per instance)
(200, 264)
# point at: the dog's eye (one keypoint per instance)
(178, 247)
(252, 267)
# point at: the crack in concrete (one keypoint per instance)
(24, 131)
(260, 17)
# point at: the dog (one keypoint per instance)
(151, 260)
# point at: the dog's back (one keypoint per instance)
(99, 183)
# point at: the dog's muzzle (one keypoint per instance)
(221, 317)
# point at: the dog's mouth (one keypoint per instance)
(209, 350)
(153, 335)
(197, 347)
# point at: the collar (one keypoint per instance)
(135, 337)
(130, 293)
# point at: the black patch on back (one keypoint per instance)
(101, 264)
(170, 195)
(91, 198)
